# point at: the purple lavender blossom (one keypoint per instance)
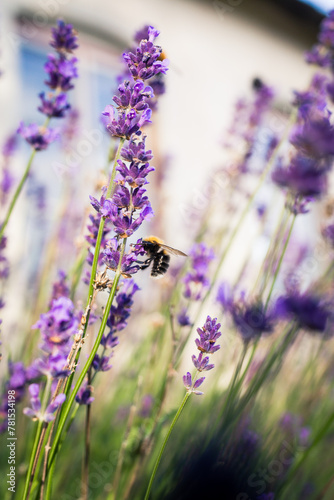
(38, 137)
(120, 312)
(60, 288)
(310, 312)
(196, 280)
(84, 395)
(111, 255)
(314, 138)
(208, 335)
(183, 318)
(64, 37)
(16, 382)
(57, 327)
(322, 54)
(54, 107)
(7, 179)
(145, 63)
(35, 411)
(193, 386)
(125, 123)
(303, 177)
(61, 72)
(250, 319)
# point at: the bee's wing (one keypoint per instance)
(171, 250)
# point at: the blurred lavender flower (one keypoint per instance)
(7, 179)
(60, 70)
(322, 54)
(196, 280)
(17, 379)
(57, 328)
(35, 411)
(60, 288)
(84, 395)
(306, 175)
(183, 318)
(310, 312)
(251, 319)
(293, 426)
(208, 335)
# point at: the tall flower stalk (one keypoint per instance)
(61, 69)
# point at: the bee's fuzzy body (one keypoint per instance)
(158, 255)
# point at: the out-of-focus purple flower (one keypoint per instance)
(84, 395)
(266, 496)
(293, 427)
(38, 137)
(7, 179)
(250, 319)
(310, 312)
(57, 326)
(146, 406)
(64, 37)
(196, 280)
(102, 363)
(303, 177)
(17, 379)
(35, 411)
(52, 366)
(60, 71)
(313, 98)
(183, 318)
(60, 288)
(55, 106)
(225, 295)
(322, 54)
(314, 138)
(263, 97)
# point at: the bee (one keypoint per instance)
(158, 255)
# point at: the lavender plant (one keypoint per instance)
(107, 366)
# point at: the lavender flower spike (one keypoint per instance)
(208, 335)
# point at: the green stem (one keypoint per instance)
(175, 419)
(85, 369)
(17, 193)
(52, 468)
(40, 434)
(27, 486)
(280, 261)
